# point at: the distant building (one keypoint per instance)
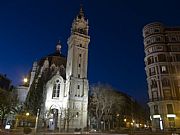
(4, 82)
(62, 82)
(162, 60)
(22, 91)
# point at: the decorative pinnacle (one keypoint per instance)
(58, 46)
(59, 42)
(81, 12)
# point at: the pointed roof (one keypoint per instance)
(58, 47)
(58, 50)
(81, 12)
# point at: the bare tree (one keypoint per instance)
(102, 99)
(8, 104)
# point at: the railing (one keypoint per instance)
(162, 98)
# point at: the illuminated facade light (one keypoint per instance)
(156, 116)
(171, 115)
(7, 126)
(51, 120)
(161, 125)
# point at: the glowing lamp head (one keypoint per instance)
(25, 80)
(51, 120)
(27, 114)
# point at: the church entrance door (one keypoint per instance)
(53, 121)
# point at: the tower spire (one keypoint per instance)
(80, 23)
(81, 12)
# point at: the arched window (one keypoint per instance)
(150, 60)
(165, 83)
(162, 58)
(56, 89)
(153, 84)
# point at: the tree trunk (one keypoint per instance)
(99, 124)
(67, 125)
(2, 120)
(68, 119)
(109, 126)
(64, 125)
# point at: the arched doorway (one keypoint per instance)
(53, 119)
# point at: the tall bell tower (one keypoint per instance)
(76, 71)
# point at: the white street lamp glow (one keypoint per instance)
(25, 80)
(27, 114)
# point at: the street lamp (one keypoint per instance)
(27, 114)
(25, 80)
(102, 122)
(60, 117)
(125, 122)
(36, 124)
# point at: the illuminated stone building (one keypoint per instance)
(162, 60)
(65, 92)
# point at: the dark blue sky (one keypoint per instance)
(29, 30)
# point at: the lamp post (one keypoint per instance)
(25, 80)
(102, 122)
(36, 124)
(60, 116)
(125, 121)
(27, 114)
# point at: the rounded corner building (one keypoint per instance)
(162, 61)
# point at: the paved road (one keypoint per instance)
(6, 132)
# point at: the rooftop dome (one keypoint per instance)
(56, 59)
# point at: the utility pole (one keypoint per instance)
(60, 115)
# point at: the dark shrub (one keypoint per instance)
(77, 129)
(27, 130)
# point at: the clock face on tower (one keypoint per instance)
(81, 30)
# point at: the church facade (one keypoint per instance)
(65, 85)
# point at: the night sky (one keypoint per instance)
(29, 30)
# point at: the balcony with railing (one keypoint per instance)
(163, 98)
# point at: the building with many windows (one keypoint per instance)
(59, 85)
(162, 60)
